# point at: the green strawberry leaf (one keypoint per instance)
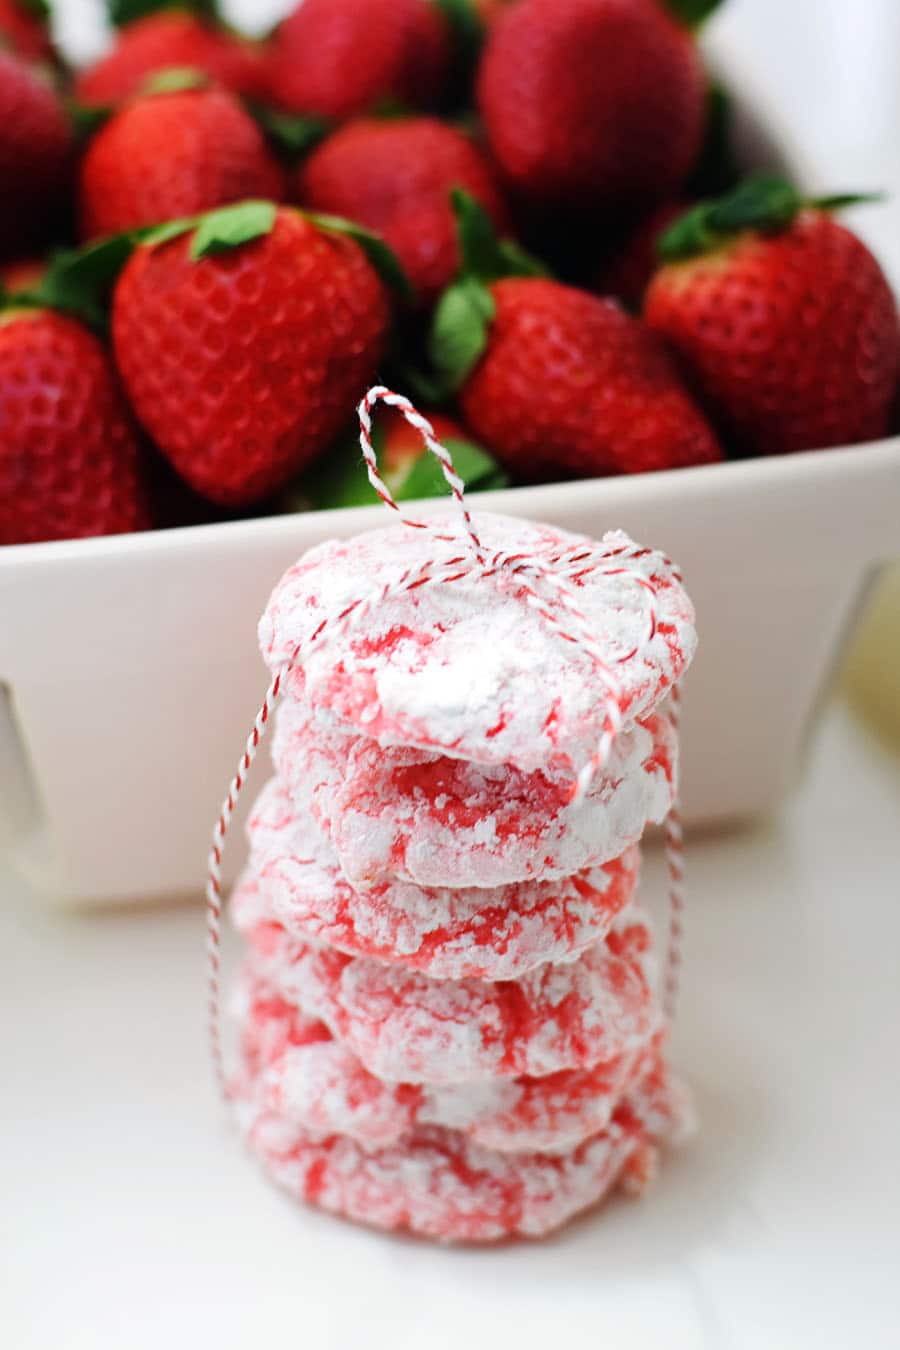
(477, 237)
(382, 258)
(423, 386)
(464, 314)
(86, 119)
(839, 200)
(761, 202)
(693, 12)
(479, 471)
(229, 227)
(79, 281)
(460, 330)
(466, 26)
(38, 9)
(390, 108)
(122, 12)
(518, 262)
(688, 236)
(764, 202)
(292, 134)
(717, 168)
(154, 235)
(484, 255)
(174, 80)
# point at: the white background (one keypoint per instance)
(131, 1217)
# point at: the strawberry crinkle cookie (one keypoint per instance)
(437, 1183)
(314, 1081)
(409, 1028)
(467, 668)
(446, 932)
(439, 821)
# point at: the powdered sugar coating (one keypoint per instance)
(312, 1080)
(466, 667)
(439, 1184)
(440, 821)
(407, 1028)
(448, 933)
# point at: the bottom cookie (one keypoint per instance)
(437, 1184)
(302, 1073)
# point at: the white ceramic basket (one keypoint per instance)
(129, 673)
(133, 674)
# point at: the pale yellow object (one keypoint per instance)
(872, 673)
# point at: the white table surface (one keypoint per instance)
(132, 1217)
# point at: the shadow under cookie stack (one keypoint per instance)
(449, 1020)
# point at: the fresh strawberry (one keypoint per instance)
(338, 58)
(173, 154)
(244, 345)
(395, 176)
(70, 462)
(171, 39)
(594, 103)
(23, 29)
(35, 154)
(635, 258)
(782, 318)
(556, 382)
(569, 385)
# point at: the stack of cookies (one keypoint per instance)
(449, 1018)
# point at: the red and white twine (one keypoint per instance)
(534, 578)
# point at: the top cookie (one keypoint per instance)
(467, 666)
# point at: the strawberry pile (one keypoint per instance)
(527, 213)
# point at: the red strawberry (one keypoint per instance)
(337, 58)
(244, 363)
(592, 102)
(35, 154)
(634, 260)
(783, 320)
(23, 29)
(170, 155)
(395, 177)
(569, 385)
(69, 457)
(170, 39)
